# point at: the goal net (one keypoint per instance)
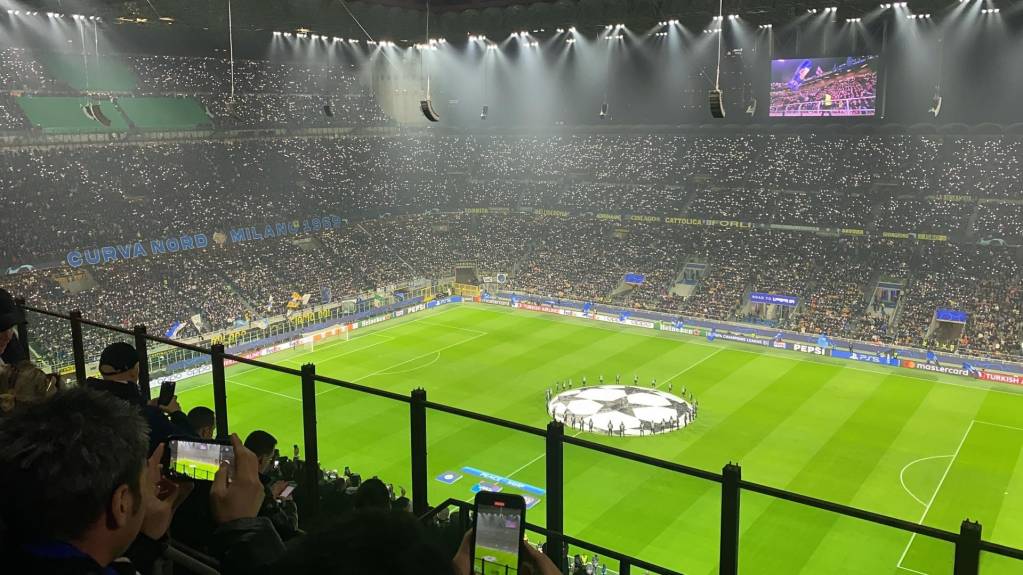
(310, 340)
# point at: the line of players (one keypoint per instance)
(560, 386)
(646, 427)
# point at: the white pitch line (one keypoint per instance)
(537, 458)
(448, 326)
(691, 366)
(232, 382)
(934, 496)
(390, 367)
(1002, 425)
(911, 464)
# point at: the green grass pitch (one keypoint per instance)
(195, 468)
(919, 446)
(495, 562)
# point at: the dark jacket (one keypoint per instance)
(242, 546)
(283, 514)
(161, 425)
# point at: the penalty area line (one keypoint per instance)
(927, 508)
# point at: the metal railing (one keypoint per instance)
(968, 542)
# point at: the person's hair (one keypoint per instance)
(62, 459)
(372, 494)
(201, 416)
(368, 542)
(261, 443)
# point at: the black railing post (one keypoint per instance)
(624, 568)
(968, 549)
(142, 347)
(23, 327)
(729, 552)
(219, 389)
(417, 425)
(312, 456)
(78, 346)
(556, 492)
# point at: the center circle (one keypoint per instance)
(621, 410)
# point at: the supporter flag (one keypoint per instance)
(968, 368)
(197, 322)
(270, 304)
(174, 330)
(325, 294)
(263, 323)
(305, 298)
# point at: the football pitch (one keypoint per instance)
(923, 447)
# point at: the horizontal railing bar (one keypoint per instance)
(1003, 550)
(486, 419)
(609, 553)
(363, 388)
(848, 511)
(645, 459)
(603, 551)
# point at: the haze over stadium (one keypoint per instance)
(716, 287)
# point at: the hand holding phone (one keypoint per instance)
(499, 524)
(198, 459)
(167, 389)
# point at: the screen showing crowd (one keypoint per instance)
(821, 87)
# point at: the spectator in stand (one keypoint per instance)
(81, 497)
(372, 494)
(282, 512)
(203, 421)
(119, 367)
(10, 317)
(22, 383)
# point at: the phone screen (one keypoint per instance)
(166, 392)
(498, 529)
(287, 491)
(199, 460)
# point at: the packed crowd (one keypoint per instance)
(581, 258)
(266, 93)
(86, 196)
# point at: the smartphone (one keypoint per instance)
(198, 458)
(499, 524)
(166, 392)
(288, 490)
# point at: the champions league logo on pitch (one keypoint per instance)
(624, 409)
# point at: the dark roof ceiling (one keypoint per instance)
(404, 18)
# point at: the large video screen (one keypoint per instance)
(823, 87)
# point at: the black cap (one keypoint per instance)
(10, 314)
(118, 357)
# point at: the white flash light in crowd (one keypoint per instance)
(570, 41)
(852, 20)
(718, 17)
(571, 29)
(990, 10)
(560, 30)
(733, 16)
(811, 11)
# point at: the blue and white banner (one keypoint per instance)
(635, 279)
(954, 315)
(174, 330)
(866, 357)
(774, 299)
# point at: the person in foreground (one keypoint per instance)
(79, 497)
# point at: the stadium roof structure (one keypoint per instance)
(403, 19)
